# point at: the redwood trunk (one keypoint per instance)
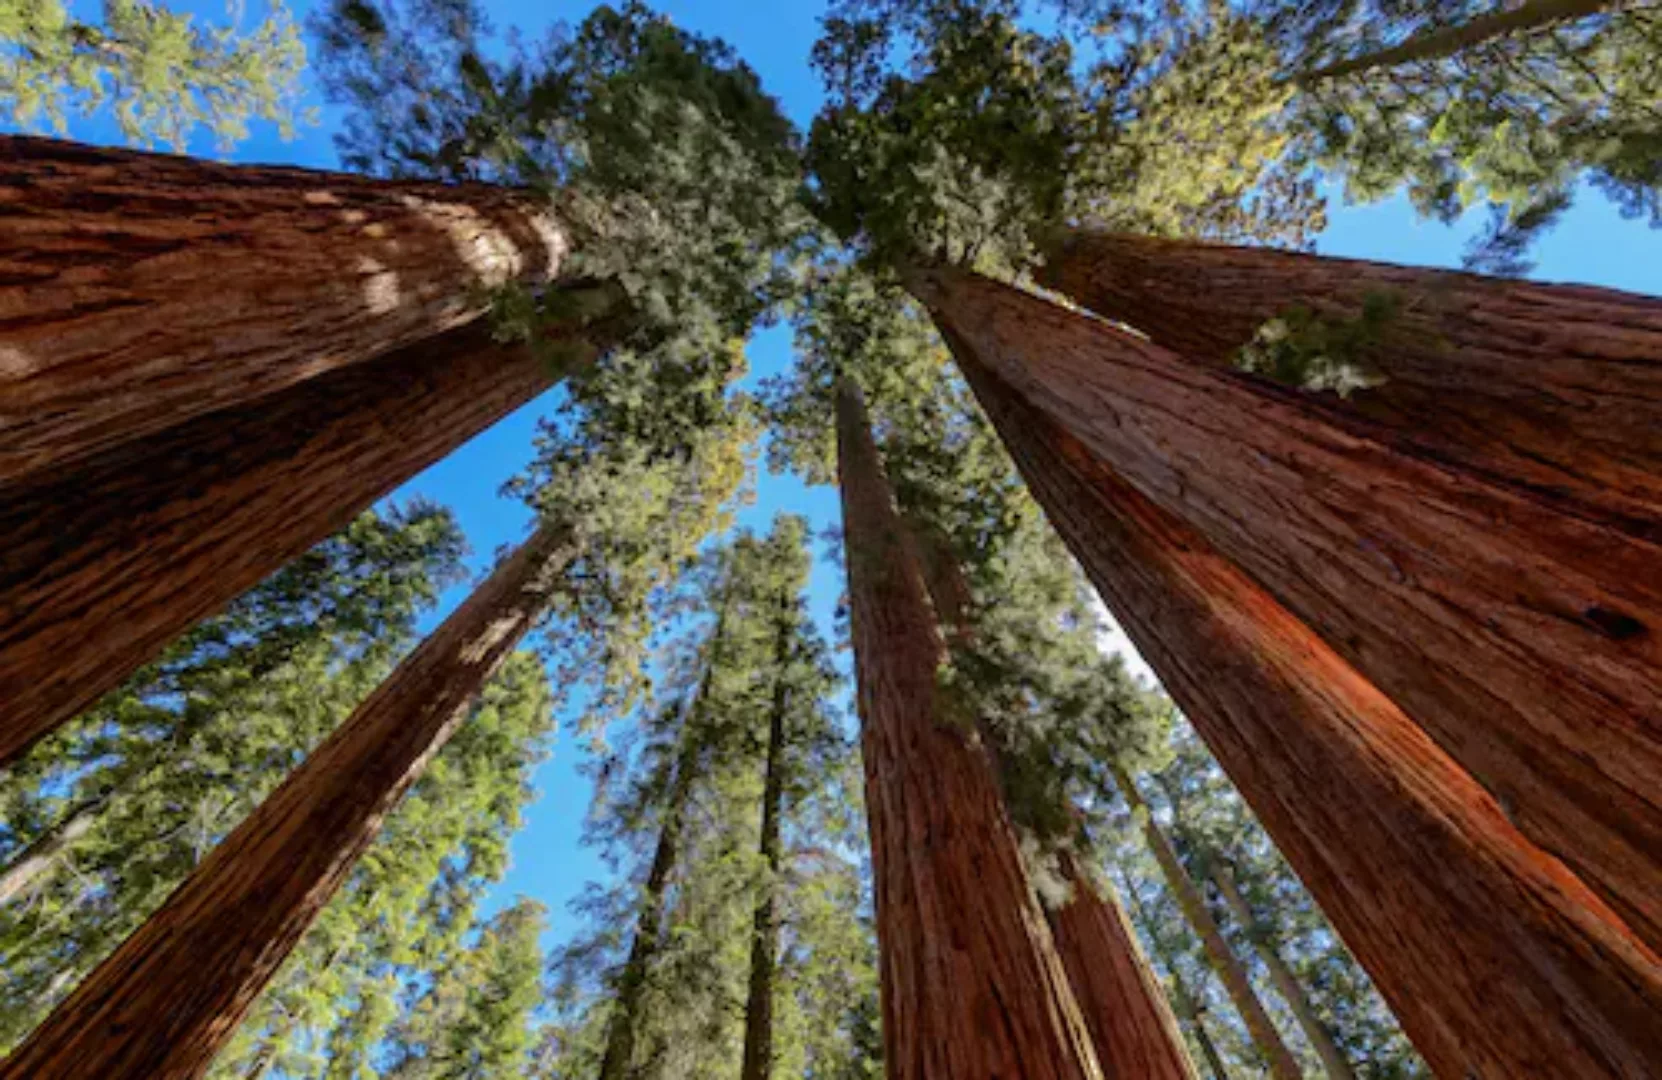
(139, 290)
(1286, 983)
(107, 563)
(1498, 961)
(764, 941)
(165, 1002)
(1552, 390)
(971, 984)
(1277, 1058)
(1438, 44)
(1131, 1023)
(1524, 640)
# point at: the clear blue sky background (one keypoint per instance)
(1593, 245)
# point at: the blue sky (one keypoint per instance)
(1593, 245)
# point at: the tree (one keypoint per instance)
(1391, 540)
(107, 816)
(160, 74)
(1462, 369)
(925, 779)
(1348, 785)
(309, 271)
(296, 849)
(473, 1023)
(110, 563)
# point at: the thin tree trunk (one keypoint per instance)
(1277, 1058)
(1187, 1003)
(28, 865)
(623, 1028)
(139, 290)
(1286, 983)
(1131, 1023)
(764, 939)
(1437, 44)
(163, 1004)
(105, 564)
(971, 984)
(1522, 638)
(1552, 390)
(1515, 967)
(624, 1025)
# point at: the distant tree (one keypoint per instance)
(157, 71)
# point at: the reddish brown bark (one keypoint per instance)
(1524, 640)
(1499, 962)
(164, 1002)
(971, 984)
(138, 290)
(102, 565)
(1132, 1026)
(1554, 390)
(1277, 1058)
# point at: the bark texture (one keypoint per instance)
(1553, 390)
(1131, 1023)
(1277, 1058)
(138, 290)
(972, 987)
(757, 1063)
(1522, 18)
(164, 1003)
(1515, 967)
(104, 564)
(1334, 1062)
(1525, 640)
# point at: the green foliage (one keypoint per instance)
(676, 174)
(147, 781)
(988, 134)
(160, 73)
(689, 773)
(1315, 352)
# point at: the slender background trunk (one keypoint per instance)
(1437, 44)
(971, 984)
(1523, 639)
(138, 290)
(1277, 1058)
(27, 866)
(1286, 983)
(105, 564)
(1187, 1003)
(161, 1006)
(1516, 968)
(764, 940)
(1553, 390)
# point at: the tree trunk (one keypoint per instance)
(1523, 639)
(971, 984)
(764, 939)
(1551, 390)
(1131, 1023)
(1286, 983)
(1438, 44)
(107, 563)
(139, 290)
(1277, 1058)
(164, 1003)
(29, 864)
(1498, 961)
(623, 1026)
(1187, 1004)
